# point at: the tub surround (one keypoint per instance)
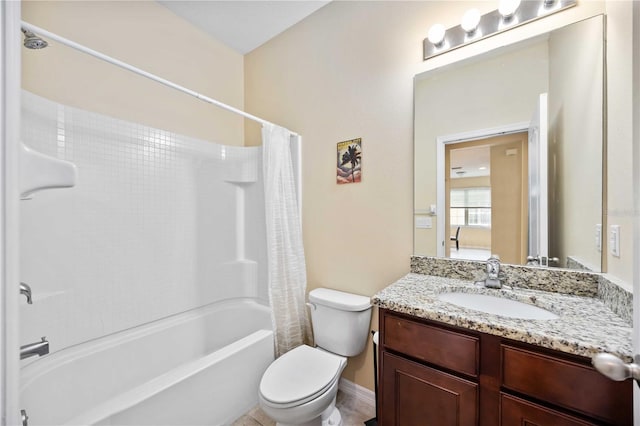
(587, 325)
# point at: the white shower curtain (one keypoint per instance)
(285, 253)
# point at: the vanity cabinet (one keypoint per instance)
(436, 374)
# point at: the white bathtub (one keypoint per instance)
(201, 367)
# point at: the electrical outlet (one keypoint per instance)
(599, 237)
(615, 240)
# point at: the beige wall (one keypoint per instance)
(344, 72)
(575, 141)
(146, 35)
(620, 209)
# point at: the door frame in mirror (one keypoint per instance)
(441, 142)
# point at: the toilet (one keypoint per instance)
(300, 387)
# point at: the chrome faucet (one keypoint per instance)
(26, 290)
(493, 272)
(32, 349)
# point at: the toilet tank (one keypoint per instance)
(340, 320)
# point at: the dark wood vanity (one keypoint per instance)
(436, 374)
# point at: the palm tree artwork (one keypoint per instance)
(349, 161)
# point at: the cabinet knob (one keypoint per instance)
(615, 368)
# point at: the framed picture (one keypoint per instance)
(349, 167)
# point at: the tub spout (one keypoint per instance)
(32, 349)
(26, 290)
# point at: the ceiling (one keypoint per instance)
(243, 25)
(470, 162)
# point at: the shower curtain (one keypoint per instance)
(285, 253)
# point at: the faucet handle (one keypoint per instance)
(493, 266)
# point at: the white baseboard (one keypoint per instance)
(361, 394)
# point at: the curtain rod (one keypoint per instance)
(121, 64)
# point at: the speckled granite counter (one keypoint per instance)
(586, 325)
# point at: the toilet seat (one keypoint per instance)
(300, 376)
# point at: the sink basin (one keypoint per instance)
(497, 306)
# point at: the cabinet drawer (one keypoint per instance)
(442, 347)
(517, 412)
(567, 384)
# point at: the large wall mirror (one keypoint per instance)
(509, 153)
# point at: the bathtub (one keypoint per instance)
(201, 367)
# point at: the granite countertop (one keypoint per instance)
(586, 326)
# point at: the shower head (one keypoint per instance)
(32, 41)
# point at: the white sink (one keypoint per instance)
(497, 306)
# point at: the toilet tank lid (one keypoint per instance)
(339, 299)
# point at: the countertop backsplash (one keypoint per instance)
(565, 281)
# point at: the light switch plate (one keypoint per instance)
(424, 222)
(614, 240)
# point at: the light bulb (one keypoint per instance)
(436, 34)
(470, 20)
(508, 8)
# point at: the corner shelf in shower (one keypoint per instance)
(39, 171)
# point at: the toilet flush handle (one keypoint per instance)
(311, 306)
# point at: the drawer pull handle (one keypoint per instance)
(615, 368)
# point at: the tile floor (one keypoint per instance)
(469, 253)
(353, 414)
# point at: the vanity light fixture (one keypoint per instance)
(470, 21)
(548, 6)
(436, 35)
(508, 8)
(510, 14)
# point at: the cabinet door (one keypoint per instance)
(518, 412)
(415, 395)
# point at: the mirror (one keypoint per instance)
(480, 185)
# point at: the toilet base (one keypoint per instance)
(329, 417)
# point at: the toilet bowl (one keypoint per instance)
(300, 387)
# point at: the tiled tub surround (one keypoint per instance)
(586, 326)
